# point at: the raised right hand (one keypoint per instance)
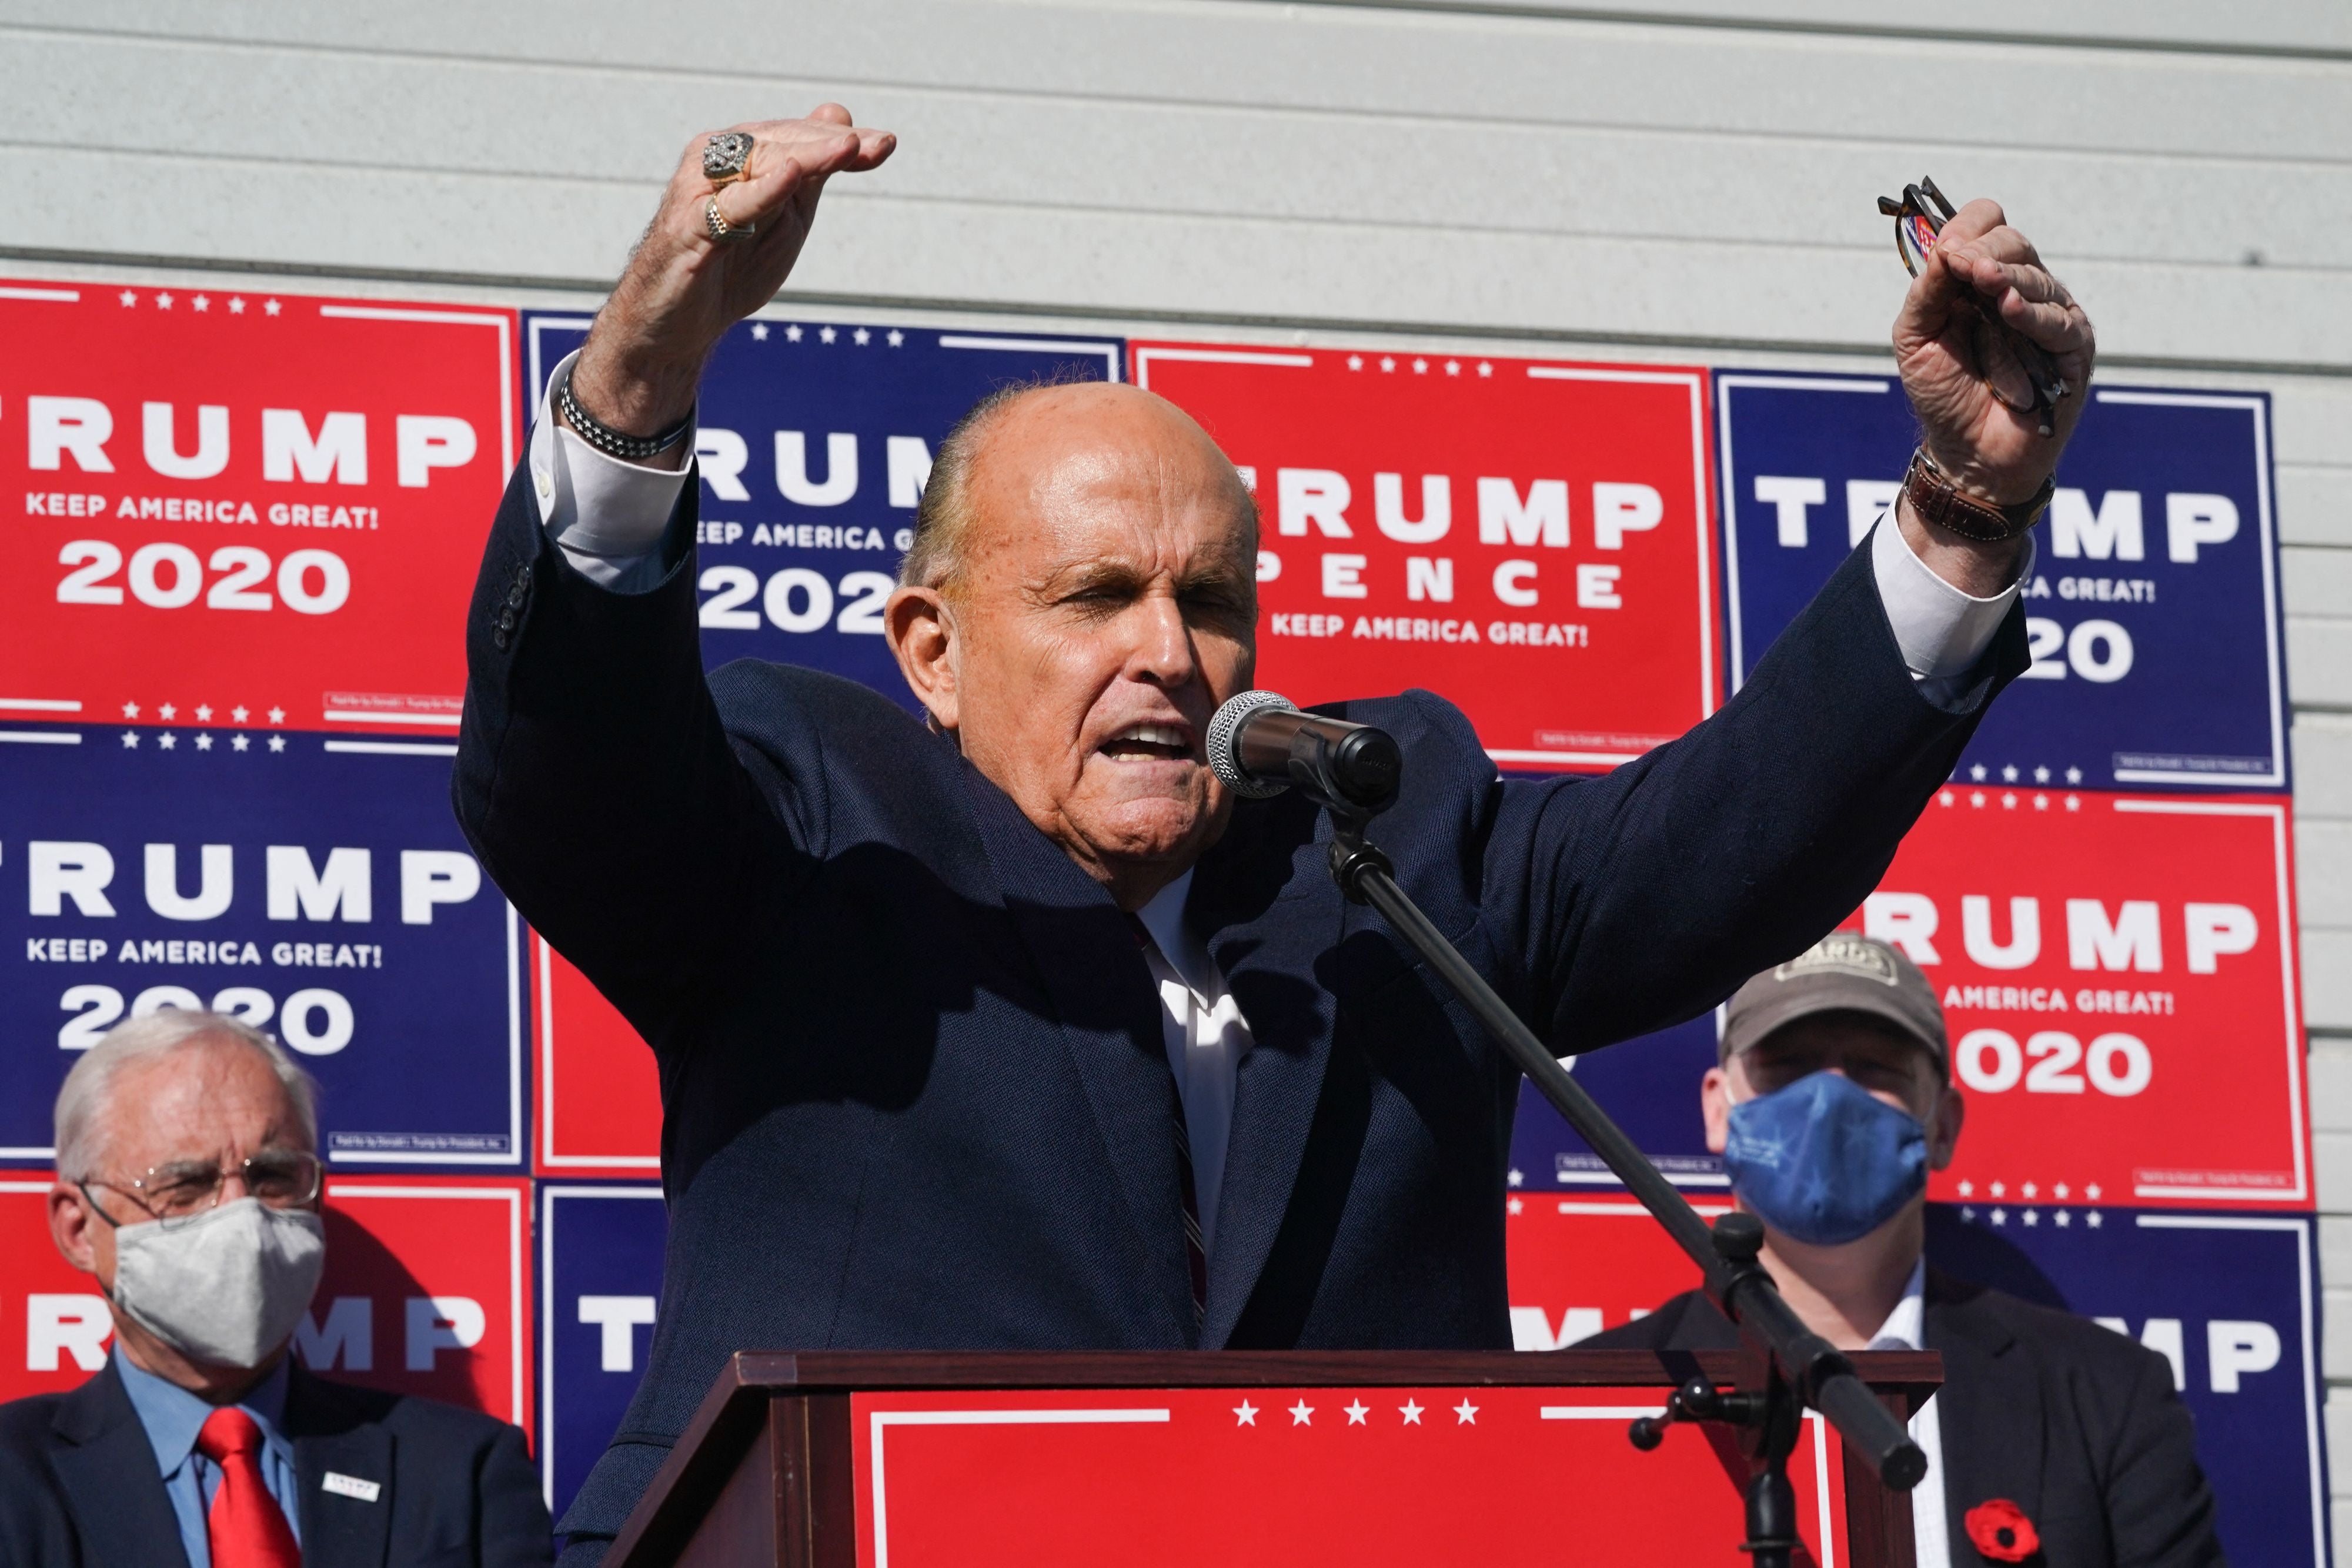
(683, 290)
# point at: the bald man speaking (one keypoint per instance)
(1016, 1029)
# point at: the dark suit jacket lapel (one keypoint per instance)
(120, 1511)
(1990, 1411)
(1094, 979)
(1267, 919)
(338, 1530)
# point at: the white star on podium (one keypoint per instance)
(1484, 369)
(1356, 1412)
(1411, 1412)
(270, 307)
(201, 302)
(1302, 1414)
(1354, 361)
(236, 305)
(163, 302)
(1421, 367)
(128, 297)
(1465, 1414)
(1244, 1414)
(1453, 366)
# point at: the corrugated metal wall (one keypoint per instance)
(1651, 178)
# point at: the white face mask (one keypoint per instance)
(226, 1288)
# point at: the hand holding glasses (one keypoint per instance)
(1920, 217)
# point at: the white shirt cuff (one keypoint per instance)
(1941, 631)
(606, 516)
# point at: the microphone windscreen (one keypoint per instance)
(1224, 737)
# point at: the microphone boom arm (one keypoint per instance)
(1798, 1366)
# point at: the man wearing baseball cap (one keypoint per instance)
(2053, 1440)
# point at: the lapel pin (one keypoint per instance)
(352, 1486)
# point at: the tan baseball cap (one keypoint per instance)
(1841, 973)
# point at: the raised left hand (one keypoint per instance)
(1962, 376)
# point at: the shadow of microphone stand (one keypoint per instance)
(1353, 772)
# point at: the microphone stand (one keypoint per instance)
(1787, 1367)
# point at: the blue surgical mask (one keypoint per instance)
(1824, 1161)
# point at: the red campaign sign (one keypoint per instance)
(245, 509)
(599, 1096)
(2118, 981)
(1284, 1476)
(1579, 1265)
(1527, 538)
(428, 1292)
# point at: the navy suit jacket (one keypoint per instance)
(914, 1089)
(79, 1487)
(2075, 1423)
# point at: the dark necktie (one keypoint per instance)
(1196, 1255)
(246, 1528)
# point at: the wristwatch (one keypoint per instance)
(1939, 501)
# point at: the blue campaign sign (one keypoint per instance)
(1649, 1086)
(598, 1280)
(815, 439)
(2152, 611)
(2227, 1299)
(316, 886)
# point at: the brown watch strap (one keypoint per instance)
(1939, 501)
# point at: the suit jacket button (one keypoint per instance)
(500, 638)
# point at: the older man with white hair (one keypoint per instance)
(189, 1184)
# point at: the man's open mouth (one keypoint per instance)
(1149, 743)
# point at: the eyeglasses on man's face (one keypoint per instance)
(179, 1191)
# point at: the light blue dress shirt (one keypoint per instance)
(173, 1417)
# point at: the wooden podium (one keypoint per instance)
(857, 1460)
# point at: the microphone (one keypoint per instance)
(1260, 745)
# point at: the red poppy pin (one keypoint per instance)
(1998, 1528)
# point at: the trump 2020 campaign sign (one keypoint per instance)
(1527, 540)
(236, 506)
(1650, 1088)
(814, 440)
(426, 1291)
(2117, 976)
(2227, 1299)
(315, 886)
(1582, 1264)
(2152, 608)
(600, 1283)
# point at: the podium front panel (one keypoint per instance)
(1369, 1477)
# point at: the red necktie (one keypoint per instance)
(247, 1528)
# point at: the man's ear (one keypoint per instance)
(70, 1225)
(921, 629)
(1715, 1106)
(1944, 1126)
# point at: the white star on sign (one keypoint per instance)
(1354, 361)
(130, 710)
(2029, 1189)
(2041, 776)
(827, 335)
(2091, 1192)
(1999, 1189)
(1978, 772)
(1517, 1177)
(128, 297)
(2092, 1219)
(166, 740)
(238, 712)
(1244, 1414)
(2009, 799)
(759, 331)
(238, 742)
(2041, 802)
(2073, 776)
(1967, 1189)
(1357, 1412)
(1465, 1414)
(163, 302)
(2033, 1217)
(277, 715)
(203, 713)
(793, 333)
(1515, 1206)
(167, 711)
(277, 743)
(2009, 774)
(236, 305)
(1976, 798)
(2060, 1189)
(1421, 367)
(2001, 1217)
(1387, 363)
(1966, 1212)
(895, 338)
(2073, 802)
(2064, 1219)
(131, 740)
(1946, 798)
(1484, 369)
(1411, 1412)
(861, 337)
(201, 303)
(269, 307)
(1302, 1414)
(1453, 366)
(204, 743)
